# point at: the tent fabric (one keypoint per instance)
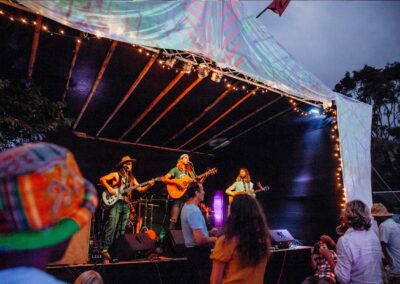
(223, 32)
(219, 30)
(354, 124)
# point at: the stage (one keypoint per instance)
(290, 265)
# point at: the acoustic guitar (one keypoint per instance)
(179, 186)
(260, 189)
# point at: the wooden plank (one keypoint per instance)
(35, 44)
(177, 100)
(85, 136)
(248, 95)
(78, 43)
(205, 111)
(96, 82)
(144, 71)
(238, 122)
(153, 104)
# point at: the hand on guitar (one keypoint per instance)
(112, 191)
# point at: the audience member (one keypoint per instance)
(241, 253)
(324, 272)
(389, 236)
(196, 236)
(44, 200)
(359, 255)
(89, 277)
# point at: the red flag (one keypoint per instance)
(276, 6)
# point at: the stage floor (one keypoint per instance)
(289, 266)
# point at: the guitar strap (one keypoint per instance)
(125, 181)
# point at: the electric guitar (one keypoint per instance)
(260, 189)
(179, 186)
(110, 199)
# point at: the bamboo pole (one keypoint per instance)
(71, 68)
(35, 44)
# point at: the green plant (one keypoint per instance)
(26, 115)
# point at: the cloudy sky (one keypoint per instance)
(332, 37)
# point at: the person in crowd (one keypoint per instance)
(324, 273)
(198, 239)
(119, 212)
(389, 236)
(359, 254)
(89, 277)
(241, 253)
(44, 200)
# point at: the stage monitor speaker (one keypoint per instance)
(281, 238)
(174, 243)
(131, 246)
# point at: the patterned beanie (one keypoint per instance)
(44, 199)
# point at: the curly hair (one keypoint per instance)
(248, 224)
(358, 215)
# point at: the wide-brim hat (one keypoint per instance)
(380, 210)
(44, 198)
(125, 159)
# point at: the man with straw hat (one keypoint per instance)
(119, 212)
(389, 236)
(44, 200)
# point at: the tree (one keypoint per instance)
(381, 89)
(26, 115)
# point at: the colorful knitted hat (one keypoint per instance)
(44, 199)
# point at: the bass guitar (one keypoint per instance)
(260, 189)
(110, 199)
(178, 187)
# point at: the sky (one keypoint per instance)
(331, 37)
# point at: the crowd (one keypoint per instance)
(44, 201)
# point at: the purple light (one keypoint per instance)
(218, 208)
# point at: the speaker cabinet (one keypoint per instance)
(174, 243)
(130, 246)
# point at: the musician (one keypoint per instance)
(184, 167)
(119, 212)
(242, 184)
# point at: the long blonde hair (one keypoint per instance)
(247, 178)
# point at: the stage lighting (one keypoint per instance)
(202, 70)
(216, 76)
(314, 111)
(170, 62)
(187, 67)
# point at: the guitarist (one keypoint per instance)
(184, 167)
(242, 185)
(119, 212)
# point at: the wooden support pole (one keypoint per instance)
(177, 100)
(35, 44)
(130, 91)
(153, 104)
(85, 136)
(249, 93)
(239, 122)
(96, 82)
(78, 43)
(205, 111)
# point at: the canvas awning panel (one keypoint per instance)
(219, 30)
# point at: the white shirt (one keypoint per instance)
(389, 233)
(359, 258)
